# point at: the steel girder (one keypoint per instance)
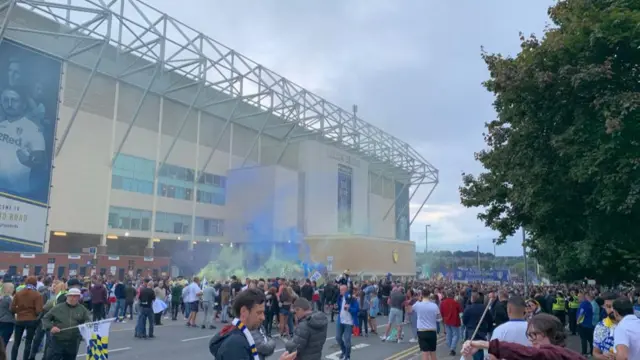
(165, 45)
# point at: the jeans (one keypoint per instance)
(363, 323)
(290, 323)
(121, 305)
(128, 306)
(384, 306)
(413, 322)
(453, 334)
(187, 311)
(225, 313)
(343, 337)
(479, 355)
(586, 339)
(207, 317)
(268, 322)
(6, 329)
(21, 327)
(145, 315)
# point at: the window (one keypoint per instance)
(209, 227)
(113, 218)
(129, 219)
(116, 182)
(135, 220)
(218, 199)
(173, 223)
(145, 222)
(171, 192)
(135, 174)
(163, 190)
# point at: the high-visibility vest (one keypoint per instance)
(574, 303)
(559, 305)
(20, 287)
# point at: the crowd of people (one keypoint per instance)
(505, 321)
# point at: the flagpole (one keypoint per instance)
(88, 323)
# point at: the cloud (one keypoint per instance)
(413, 68)
(449, 225)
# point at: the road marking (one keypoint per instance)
(199, 338)
(110, 351)
(336, 355)
(329, 338)
(155, 327)
(411, 351)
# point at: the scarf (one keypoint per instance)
(247, 334)
(31, 287)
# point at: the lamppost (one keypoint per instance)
(426, 237)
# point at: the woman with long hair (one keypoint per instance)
(7, 319)
(547, 337)
(285, 317)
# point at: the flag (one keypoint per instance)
(96, 336)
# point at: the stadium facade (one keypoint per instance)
(125, 130)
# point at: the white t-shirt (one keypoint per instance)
(345, 315)
(514, 331)
(14, 135)
(628, 333)
(427, 313)
(192, 291)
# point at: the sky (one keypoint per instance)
(413, 67)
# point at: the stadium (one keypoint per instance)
(127, 136)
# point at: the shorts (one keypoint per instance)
(427, 340)
(193, 307)
(395, 316)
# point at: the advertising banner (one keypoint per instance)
(29, 87)
(345, 198)
(472, 275)
(402, 211)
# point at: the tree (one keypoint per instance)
(563, 156)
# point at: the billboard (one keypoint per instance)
(29, 87)
(472, 275)
(402, 211)
(345, 198)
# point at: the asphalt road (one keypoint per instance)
(174, 340)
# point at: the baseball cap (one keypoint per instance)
(74, 292)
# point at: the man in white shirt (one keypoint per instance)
(348, 313)
(626, 336)
(514, 330)
(22, 145)
(427, 313)
(191, 299)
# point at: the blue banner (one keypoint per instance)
(345, 198)
(29, 89)
(402, 211)
(484, 276)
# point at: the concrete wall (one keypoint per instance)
(81, 191)
(364, 254)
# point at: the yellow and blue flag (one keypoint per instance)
(96, 336)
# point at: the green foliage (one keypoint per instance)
(436, 260)
(563, 156)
